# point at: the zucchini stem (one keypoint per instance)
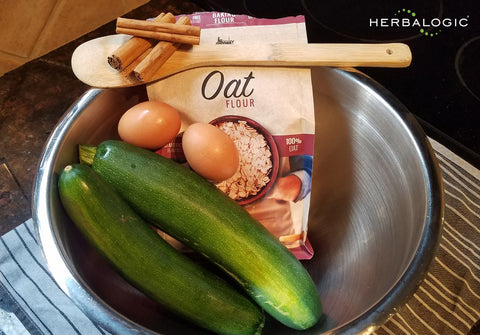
(86, 153)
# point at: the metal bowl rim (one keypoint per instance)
(429, 242)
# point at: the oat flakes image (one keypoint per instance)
(256, 160)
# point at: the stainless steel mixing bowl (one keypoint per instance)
(375, 218)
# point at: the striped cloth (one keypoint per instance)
(447, 302)
(31, 302)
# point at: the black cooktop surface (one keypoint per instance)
(442, 85)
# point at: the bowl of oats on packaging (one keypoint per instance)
(259, 159)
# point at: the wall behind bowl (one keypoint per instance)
(31, 29)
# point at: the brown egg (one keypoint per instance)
(149, 124)
(210, 152)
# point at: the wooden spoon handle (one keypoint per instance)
(337, 55)
(341, 55)
(289, 55)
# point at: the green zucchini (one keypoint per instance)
(194, 211)
(149, 263)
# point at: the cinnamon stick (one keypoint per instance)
(158, 56)
(134, 47)
(162, 36)
(128, 70)
(173, 28)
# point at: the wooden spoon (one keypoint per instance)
(89, 60)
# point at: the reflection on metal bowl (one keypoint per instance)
(375, 213)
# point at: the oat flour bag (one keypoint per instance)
(267, 111)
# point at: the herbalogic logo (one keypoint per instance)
(407, 18)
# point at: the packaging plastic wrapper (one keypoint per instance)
(269, 114)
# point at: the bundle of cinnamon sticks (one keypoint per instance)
(153, 42)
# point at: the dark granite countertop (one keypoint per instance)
(33, 98)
